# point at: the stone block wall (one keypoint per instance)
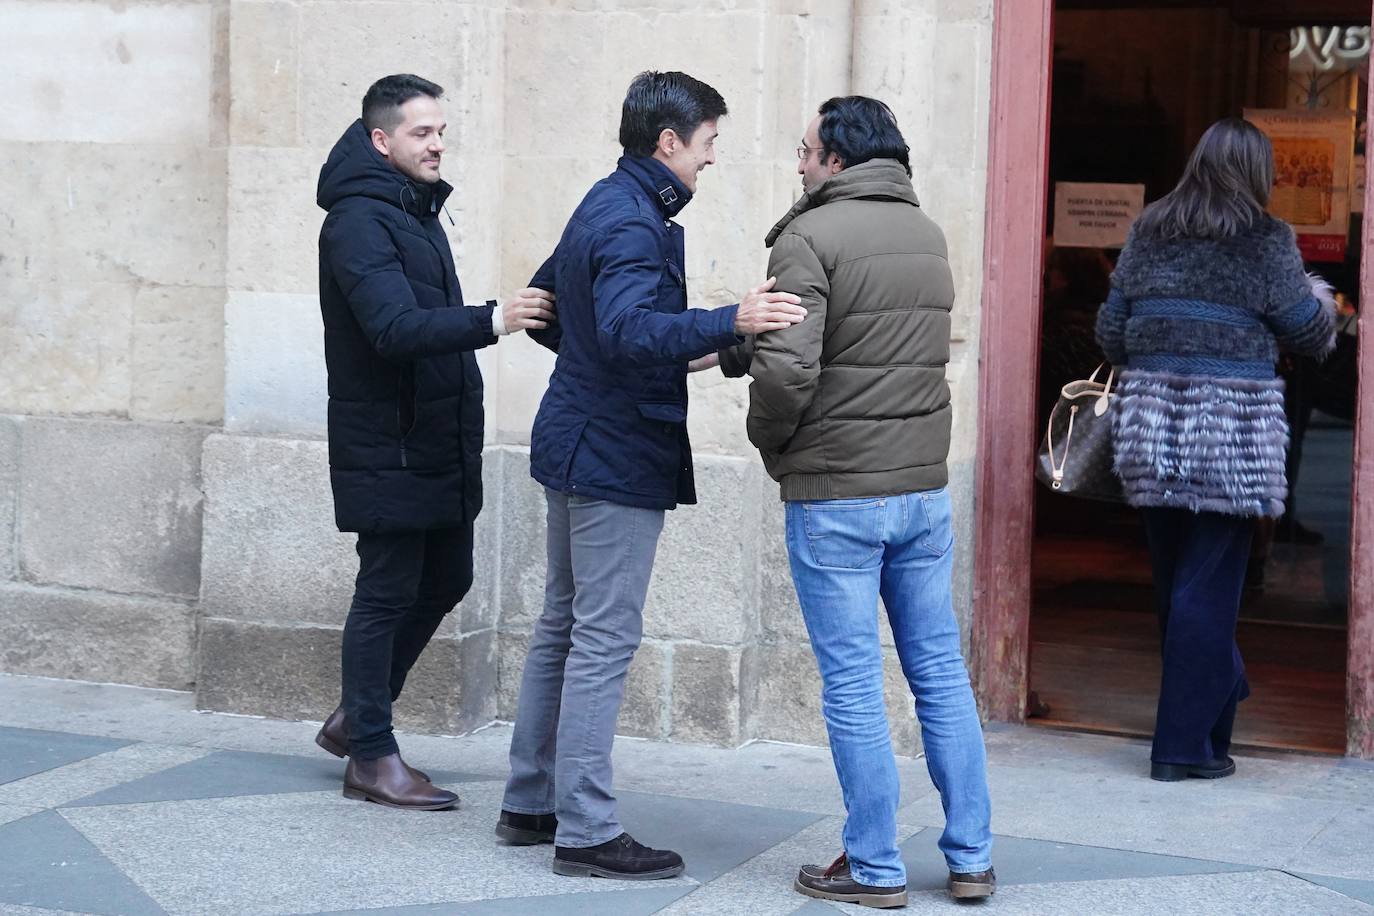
(277, 582)
(165, 515)
(101, 549)
(112, 280)
(112, 250)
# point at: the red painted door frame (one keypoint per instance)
(1359, 666)
(1018, 166)
(1017, 193)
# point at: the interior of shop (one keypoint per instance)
(1134, 86)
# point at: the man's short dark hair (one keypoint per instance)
(382, 104)
(673, 100)
(857, 129)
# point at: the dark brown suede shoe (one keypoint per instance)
(834, 882)
(526, 829)
(333, 737)
(623, 857)
(388, 781)
(968, 885)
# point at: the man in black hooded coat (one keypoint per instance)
(405, 415)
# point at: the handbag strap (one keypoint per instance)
(1106, 386)
(1104, 399)
(1057, 469)
(1099, 408)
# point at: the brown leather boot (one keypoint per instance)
(333, 737)
(388, 781)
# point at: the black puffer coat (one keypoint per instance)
(405, 393)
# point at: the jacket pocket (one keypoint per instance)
(844, 533)
(657, 447)
(676, 274)
(663, 412)
(552, 449)
(672, 290)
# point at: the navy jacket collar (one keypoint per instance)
(658, 181)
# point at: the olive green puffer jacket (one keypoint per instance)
(853, 401)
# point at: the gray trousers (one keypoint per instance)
(600, 557)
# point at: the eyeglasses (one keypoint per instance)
(804, 149)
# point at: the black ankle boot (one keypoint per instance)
(1174, 772)
(622, 858)
(526, 829)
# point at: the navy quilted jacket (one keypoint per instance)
(613, 422)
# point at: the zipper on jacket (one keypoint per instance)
(403, 437)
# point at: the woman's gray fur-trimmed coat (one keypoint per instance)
(1196, 325)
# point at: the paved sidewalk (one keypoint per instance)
(115, 800)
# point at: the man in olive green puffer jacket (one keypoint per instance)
(853, 400)
(851, 412)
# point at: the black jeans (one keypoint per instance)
(407, 582)
(1199, 572)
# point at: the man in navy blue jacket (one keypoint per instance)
(405, 415)
(610, 447)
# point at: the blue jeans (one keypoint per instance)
(845, 553)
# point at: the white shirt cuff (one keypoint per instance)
(498, 322)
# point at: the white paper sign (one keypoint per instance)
(1095, 215)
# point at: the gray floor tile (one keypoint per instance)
(169, 717)
(318, 851)
(52, 788)
(750, 775)
(1292, 775)
(1191, 819)
(762, 886)
(814, 908)
(26, 751)
(1359, 890)
(1344, 849)
(1259, 893)
(47, 863)
(1009, 744)
(15, 812)
(713, 837)
(1021, 861)
(163, 815)
(619, 903)
(223, 774)
(1302, 776)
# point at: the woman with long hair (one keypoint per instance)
(1207, 291)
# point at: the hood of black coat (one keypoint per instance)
(355, 169)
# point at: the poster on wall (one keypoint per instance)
(1313, 167)
(1095, 215)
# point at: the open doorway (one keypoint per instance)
(1134, 87)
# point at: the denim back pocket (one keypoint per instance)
(844, 533)
(939, 517)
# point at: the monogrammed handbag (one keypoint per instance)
(1076, 456)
